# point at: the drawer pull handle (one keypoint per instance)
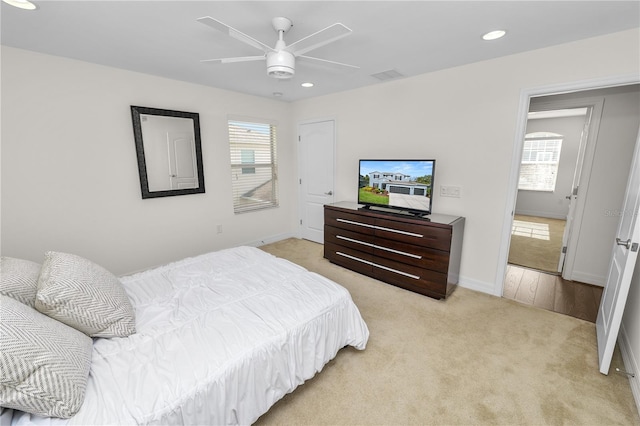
(404, 253)
(381, 228)
(406, 274)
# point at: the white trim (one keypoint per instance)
(599, 280)
(521, 125)
(475, 285)
(631, 364)
(540, 214)
(269, 239)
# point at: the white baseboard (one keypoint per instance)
(541, 214)
(270, 239)
(476, 285)
(631, 363)
(586, 278)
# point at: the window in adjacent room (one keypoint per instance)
(540, 160)
(253, 165)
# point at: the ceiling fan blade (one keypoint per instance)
(318, 39)
(237, 59)
(232, 32)
(327, 62)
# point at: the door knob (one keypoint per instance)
(627, 243)
(328, 193)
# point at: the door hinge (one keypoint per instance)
(300, 181)
(564, 250)
(300, 221)
(299, 139)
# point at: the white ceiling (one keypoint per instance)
(414, 37)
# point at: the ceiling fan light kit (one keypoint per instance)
(281, 64)
(281, 59)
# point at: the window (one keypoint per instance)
(248, 156)
(253, 165)
(540, 159)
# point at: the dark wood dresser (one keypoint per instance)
(421, 254)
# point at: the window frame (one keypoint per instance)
(254, 185)
(545, 180)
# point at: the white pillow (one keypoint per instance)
(44, 365)
(85, 296)
(19, 279)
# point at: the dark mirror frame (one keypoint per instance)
(142, 165)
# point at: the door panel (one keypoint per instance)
(317, 145)
(625, 253)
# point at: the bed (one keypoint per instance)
(219, 339)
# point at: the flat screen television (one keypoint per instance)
(400, 185)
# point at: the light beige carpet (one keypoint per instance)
(536, 242)
(473, 359)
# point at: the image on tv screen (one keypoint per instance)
(405, 184)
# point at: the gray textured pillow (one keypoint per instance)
(44, 364)
(85, 296)
(19, 279)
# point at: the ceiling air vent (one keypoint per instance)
(387, 75)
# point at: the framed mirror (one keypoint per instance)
(169, 151)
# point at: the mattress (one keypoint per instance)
(221, 337)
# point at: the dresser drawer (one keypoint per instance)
(349, 258)
(349, 221)
(423, 235)
(346, 238)
(412, 277)
(420, 256)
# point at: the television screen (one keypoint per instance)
(399, 184)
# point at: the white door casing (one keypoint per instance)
(621, 267)
(316, 142)
(524, 103)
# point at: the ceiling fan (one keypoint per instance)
(281, 59)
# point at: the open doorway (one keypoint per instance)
(550, 170)
(574, 286)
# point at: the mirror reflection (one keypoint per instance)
(169, 151)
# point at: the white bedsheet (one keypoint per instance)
(221, 337)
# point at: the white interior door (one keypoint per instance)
(316, 148)
(625, 253)
(574, 190)
(182, 160)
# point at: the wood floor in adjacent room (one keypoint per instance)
(551, 292)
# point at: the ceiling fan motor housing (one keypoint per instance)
(281, 64)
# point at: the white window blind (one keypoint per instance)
(539, 166)
(253, 165)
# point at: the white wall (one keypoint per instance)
(465, 117)
(70, 177)
(554, 204)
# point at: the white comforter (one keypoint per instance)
(221, 337)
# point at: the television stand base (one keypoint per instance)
(401, 212)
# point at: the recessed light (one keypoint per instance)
(494, 35)
(22, 4)
(307, 84)
(277, 94)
